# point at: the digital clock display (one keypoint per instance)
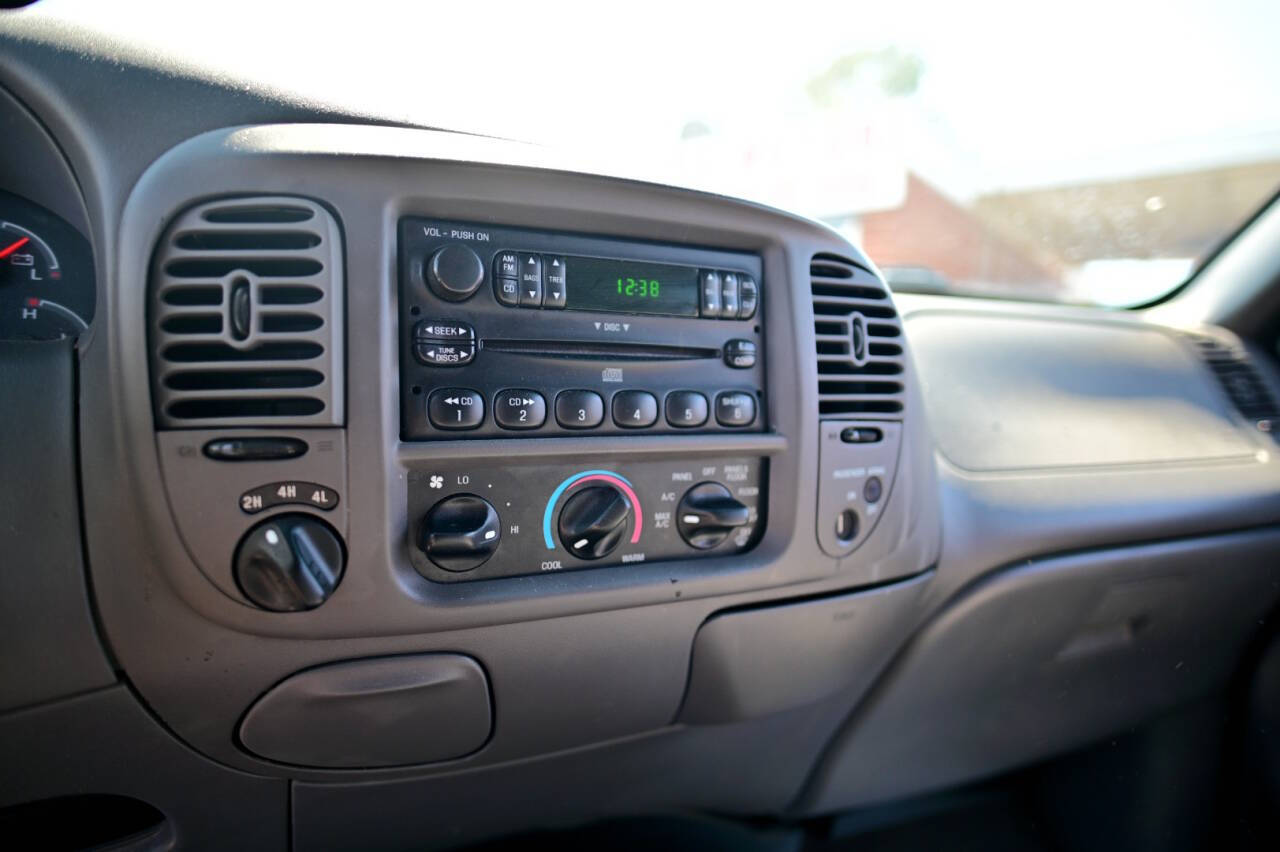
(633, 287)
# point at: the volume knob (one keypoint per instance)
(454, 273)
(593, 521)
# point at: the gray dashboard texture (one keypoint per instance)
(1043, 392)
(50, 643)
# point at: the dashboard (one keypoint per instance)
(380, 466)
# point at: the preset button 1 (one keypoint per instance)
(455, 408)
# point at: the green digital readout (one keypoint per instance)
(640, 288)
(630, 286)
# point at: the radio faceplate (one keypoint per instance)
(478, 360)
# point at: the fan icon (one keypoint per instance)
(437, 482)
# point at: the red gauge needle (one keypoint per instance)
(10, 249)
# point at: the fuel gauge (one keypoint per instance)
(46, 274)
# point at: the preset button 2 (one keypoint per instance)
(519, 409)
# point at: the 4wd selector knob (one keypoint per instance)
(289, 562)
(593, 521)
(460, 532)
(454, 273)
(707, 514)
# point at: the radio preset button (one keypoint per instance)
(735, 408)
(579, 409)
(749, 297)
(519, 409)
(455, 408)
(530, 281)
(729, 295)
(635, 409)
(740, 354)
(686, 409)
(710, 282)
(553, 281)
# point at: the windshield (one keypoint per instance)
(1092, 151)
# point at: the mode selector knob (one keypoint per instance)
(289, 563)
(707, 514)
(454, 273)
(460, 532)
(593, 521)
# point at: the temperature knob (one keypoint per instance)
(455, 273)
(460, 532)
(289, 563)
(594, 520)
(707, 514)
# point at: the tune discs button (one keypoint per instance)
(519, 409)
(438, 353)
(455, 408)
(634, 409)
(579, 409)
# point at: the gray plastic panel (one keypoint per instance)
(104, 742)
(1051, 655)
(1013, 393)
(362, 713)
(774, 658)
(48, 645)
(844, 473)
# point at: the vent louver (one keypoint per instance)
(1231, 365)
(859, 340)
(247, 316)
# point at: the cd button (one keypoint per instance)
(530, 281)
(579, 409)
(455, 408)
(519, 409)
(686, 409)
(553, 281)
(635, 409)
(729, 295)
(710, 282)
(735, 408)
(507, 290)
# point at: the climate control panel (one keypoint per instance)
(481, 520)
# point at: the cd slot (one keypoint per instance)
(597, 351)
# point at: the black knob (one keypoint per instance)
(460, 532)
(455, 273)
(289, 563)
(707, 514)
(593, 521)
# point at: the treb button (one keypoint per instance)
(729, 295)
(553, 281)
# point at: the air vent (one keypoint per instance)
(247, 315)
(859, 340)
(1230, 363)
